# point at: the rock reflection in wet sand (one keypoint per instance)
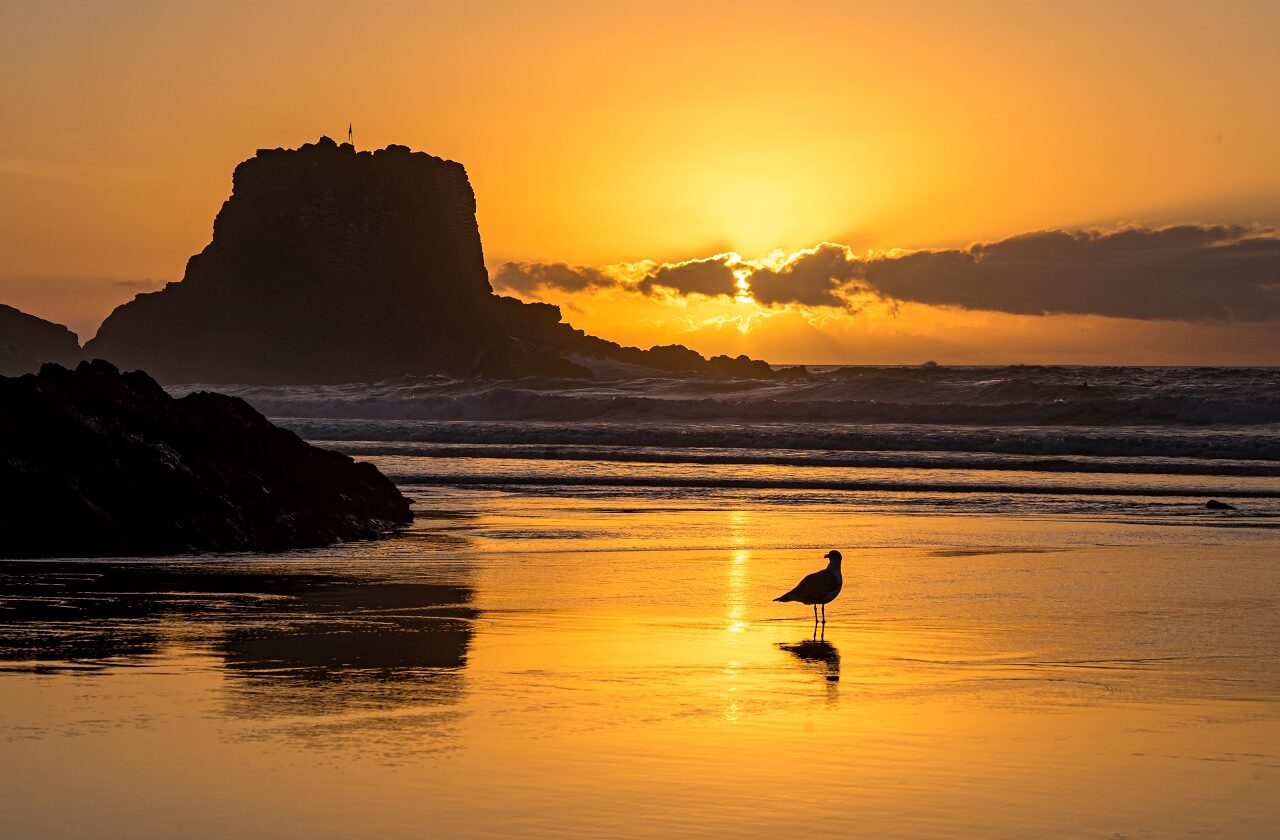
(291, 644)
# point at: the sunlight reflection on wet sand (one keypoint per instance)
(526, 677)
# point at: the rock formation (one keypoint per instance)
(26, 342)
(94, 462)
(332, 265)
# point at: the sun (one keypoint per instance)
(742, 280)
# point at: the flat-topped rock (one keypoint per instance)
(332, 265)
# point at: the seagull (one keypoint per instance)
(819, 588)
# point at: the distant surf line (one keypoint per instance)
(900, 460)
(455, 480)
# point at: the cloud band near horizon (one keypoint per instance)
(1179, 273)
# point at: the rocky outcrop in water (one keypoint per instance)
(26, 342)
(94, 462)
(331, 265)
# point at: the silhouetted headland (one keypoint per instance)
(94, 462)
(331, 265)
(27, 341)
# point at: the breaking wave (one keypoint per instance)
(1195, 421)
(1011, 396)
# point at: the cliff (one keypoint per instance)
(26, 342)
(332, 265)
(94, 462)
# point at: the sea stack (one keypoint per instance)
(332, 265)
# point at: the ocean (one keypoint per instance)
(1153, 444)
(1044, 632)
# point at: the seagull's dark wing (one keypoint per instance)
(813, 588)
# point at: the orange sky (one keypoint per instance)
(597, 134)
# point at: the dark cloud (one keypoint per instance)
(138, 285)
(712, 277)
(1181, 273)
(809, 279)
(526, 277)
(1184, 273)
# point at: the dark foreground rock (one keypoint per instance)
(1214, 504)
(94, 462)
(26, 342)
(331, 265)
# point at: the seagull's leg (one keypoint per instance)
(815, 615)
(824, 613)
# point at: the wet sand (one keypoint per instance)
(543, 667)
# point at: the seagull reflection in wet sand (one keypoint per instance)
(819, 656)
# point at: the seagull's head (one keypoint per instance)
(833, 556)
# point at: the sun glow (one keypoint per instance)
(742, 281)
